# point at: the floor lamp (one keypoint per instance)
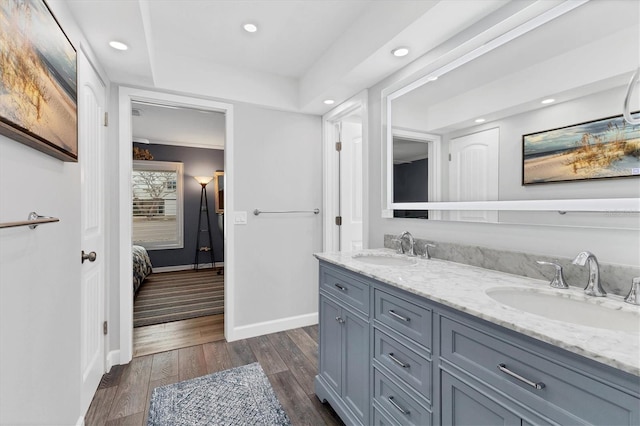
(204, 229)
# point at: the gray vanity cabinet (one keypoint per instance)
(343, 378)
(405, 360)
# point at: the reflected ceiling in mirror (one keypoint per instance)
(582, 59)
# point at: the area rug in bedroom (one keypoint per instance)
(174, 296)
(239, 396)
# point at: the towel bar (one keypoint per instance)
(32, 221)
(314, 211)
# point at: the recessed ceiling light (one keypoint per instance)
(400, 52)
(548, 101)
(118, 45)
(250, 28)
(480, 120)
(329, 101)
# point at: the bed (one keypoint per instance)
(141, 266)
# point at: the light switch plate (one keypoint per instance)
(240, 218)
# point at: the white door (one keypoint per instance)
(351, 185)
(473, 173)
(91, 130)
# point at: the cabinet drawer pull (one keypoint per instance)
(536, 385)
(340, 287)
(397, 361)
(397, 407)
(400, 317)
(340, 320)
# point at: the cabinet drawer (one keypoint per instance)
(345, 288)
(381, 419)
(406, 318)
(401, 407)
(404, 362)
(577, 397)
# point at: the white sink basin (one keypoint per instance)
(385, 259)
(571, 308)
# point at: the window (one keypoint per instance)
(157, 204)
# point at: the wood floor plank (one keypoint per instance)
(165, 337)
(136, 419)
(98, 412)
(129, 399)
(216, 357)
(329, 416)
(294, 400)
(240, 353)
(305, 343)
(165, 364)
(266, 355)
(191, 363)
(112, 378)
(312, 331)
(300, 366)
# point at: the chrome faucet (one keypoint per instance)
(593, 287)
(558, 280)
(402, 236)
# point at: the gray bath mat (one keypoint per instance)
(239, 396)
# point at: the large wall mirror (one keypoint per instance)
(455, 133)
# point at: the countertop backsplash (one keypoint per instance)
(615, 279)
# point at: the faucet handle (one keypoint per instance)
(558, 280)
(634, 293)
(426, 253)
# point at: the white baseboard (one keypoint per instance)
(113, 358)
(274, 326)
(186, 267)
(80, 421)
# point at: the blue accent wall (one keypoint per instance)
(197, 162)
(410, 185)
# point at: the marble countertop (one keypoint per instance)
(463, 287)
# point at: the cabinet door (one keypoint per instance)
(465, 405)
(355, 372)
(331, 344)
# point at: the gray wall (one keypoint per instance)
(197, 162)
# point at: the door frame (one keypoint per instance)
(126, 95)
(434, 144)
(331, 237)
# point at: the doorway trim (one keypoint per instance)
(331, 236)
(126, 95)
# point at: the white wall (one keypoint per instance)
(40, 281)
(278, 166)
(39, 289)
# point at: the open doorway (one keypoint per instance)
(345, 174)
(177, 227)
(162, 209)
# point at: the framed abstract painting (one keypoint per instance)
(38, 80)
(604, 148)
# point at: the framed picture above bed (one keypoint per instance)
(38, 82)
(598, 149)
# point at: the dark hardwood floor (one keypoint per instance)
(289, 359)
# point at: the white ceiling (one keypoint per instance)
(168, 125)
(304, 51)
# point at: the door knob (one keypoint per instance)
(91, 257)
